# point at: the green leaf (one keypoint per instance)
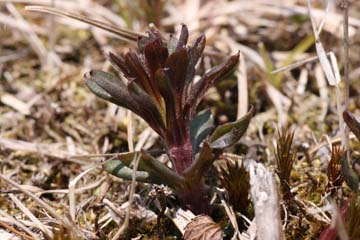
(269, 67)
(120, 170)
(200, 128)
(228, 134)
(159, 169)
(149, 169)
(350, 177)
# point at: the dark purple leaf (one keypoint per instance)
(195, 52)
(167, 93)
(138, 72)
(176, 66)
(353, 123)
(143, 41)
(208, 80)
(118, 63)
(155, 56)
(330, 233)
(183, 38)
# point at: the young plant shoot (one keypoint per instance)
(161, 90)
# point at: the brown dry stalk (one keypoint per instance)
(11, 229)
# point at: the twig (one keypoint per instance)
(10, 228)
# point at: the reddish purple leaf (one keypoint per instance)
(208, 80)
(176, 66)
(183, 38)
(155, 56)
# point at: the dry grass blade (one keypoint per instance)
(15, 103)
(34, 41)
(71, 194)
(330, 68)
(242, 81)
(122, 229)
(323, 90)
(19, 225)
(11, 229)
(297, 64)
(120, 32)
(31, 216)
(46, 206)
(232, 216)
(49, 150)
(181, 218)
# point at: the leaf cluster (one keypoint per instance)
(157, 84)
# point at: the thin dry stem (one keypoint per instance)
(120, 32)
(46, 206)
(31, 216)
(11, 229)
(131, 198)
(19, 224)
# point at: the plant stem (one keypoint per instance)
(194, 196)
(181, 156)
